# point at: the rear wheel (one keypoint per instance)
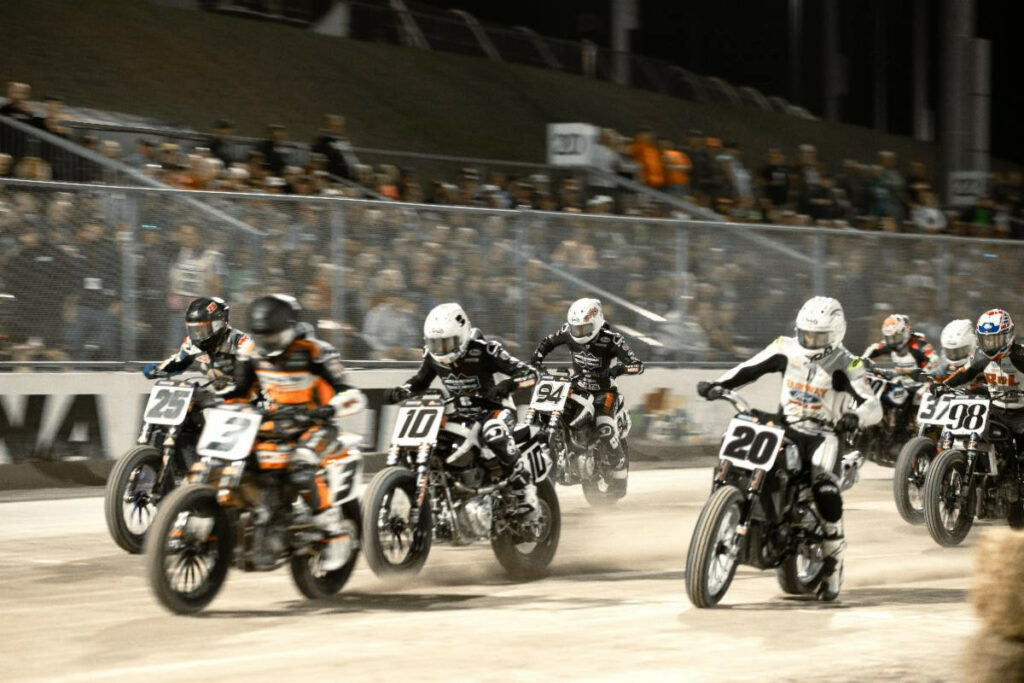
(131, 496)
(311, 579)
(526, 553)
(393, 545)
(603, 490)
(948, 508)
(188, 549)
(800, 573)
(714, 548)
(909, 477)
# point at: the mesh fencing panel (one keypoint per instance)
(92, 273)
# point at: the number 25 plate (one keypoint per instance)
(750, 445)
(167, 405)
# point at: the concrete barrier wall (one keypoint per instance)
(67, 417)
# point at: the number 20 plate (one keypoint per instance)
(751, 446)
(416, 424)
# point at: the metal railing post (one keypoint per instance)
(522, 323)
(129, 291)
(337, 249)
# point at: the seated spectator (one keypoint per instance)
(341, 159)
(275, 149)
(6, 164)
(775, 178)
(145, 153)
(392, 329)
(677, 168)
(17, 106)
(53, 118)
(220, 146)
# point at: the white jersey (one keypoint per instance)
(1004, 376)
(812, 387)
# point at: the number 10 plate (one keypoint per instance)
(750, 445)
(417, 424)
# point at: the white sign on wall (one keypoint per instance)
(571, 144)
(965, 187)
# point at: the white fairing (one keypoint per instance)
(447, 321)
(822, 314)
(585, 313)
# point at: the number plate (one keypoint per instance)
(344, 476)
(167, 405)
(751, 446)
(228, 434)
(416, 425)
(933, 409)
(550, 395)
(967, 416)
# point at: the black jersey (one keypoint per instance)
(593, 361)
(216, 364)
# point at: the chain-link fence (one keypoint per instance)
(100, 273)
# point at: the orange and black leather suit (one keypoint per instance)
(309, 372)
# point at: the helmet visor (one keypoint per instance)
(199, 332)
(581, 331)
(894, 339)
(992, 343)
(273, 342)
(959, 353)
(813, 340)
(443, 346)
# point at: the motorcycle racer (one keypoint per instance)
(958, 346)
(466, 364)
(910, 351)
(210, 342)
(599, 355)
(817, 371)
(287, 364)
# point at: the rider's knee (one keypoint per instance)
(827, 498)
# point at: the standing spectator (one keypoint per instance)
(37, 309)
(390, 328)
(648, 158)
(275, 149)
(17, 103)
(220, 146)
(677, 168)
(94, 332)
(196, 272)
(52, 120)
(145, 154)
(336, 148)
(6, 165)
(700, 160)
(894, 184)
(775, 179)
(604, 160)
(151, 267)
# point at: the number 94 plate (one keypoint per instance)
(750, 445)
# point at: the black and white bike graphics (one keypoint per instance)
(442, 484)
(760, 512)
(977, 473)
(160, 461)
(899, 396)
(566, 419)
(916, 456)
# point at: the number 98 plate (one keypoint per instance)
(750, 445)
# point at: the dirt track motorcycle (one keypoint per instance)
(440, 485)
(145, 474)
(240, 507)
(566, 419)
(760, 513)
(981, 477)
(916, 457)
(882, 442)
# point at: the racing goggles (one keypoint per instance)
(896, 338)
(581, 331)
(199, 332)
(994, 343)
(443, 346)
(813, 340)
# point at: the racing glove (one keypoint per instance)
(397, 394)
(848, 422)
(500, 391)
(939, 388)
(709, 390)
(148, 369)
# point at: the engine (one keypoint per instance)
(475, 517)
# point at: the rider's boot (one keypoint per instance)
(339, 538)
(525, 491)
(833, 548)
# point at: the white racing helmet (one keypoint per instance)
(995, 332)
(585, 318)
(446, 333)
(820, 324)
(896, 330)
(958, 342)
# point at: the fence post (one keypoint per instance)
(682, 286)
(337, 217)
(522, 329)
(129, 324)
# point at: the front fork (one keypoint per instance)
(422, 484)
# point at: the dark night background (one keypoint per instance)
(746, 43)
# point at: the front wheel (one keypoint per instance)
(948, 509)
(526, 553)
(393, 544)
(188, 549)
(909, 477)
(311, 579)
(131, 496)
(714, 548)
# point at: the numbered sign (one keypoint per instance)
(168, 404)
(416, 425)
(550, 395)
(228, 434)
(967, 415)
(933, 409)
(751, 446)
(343, 477)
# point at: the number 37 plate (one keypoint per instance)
(750, 445)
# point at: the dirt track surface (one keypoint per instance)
(76, 608)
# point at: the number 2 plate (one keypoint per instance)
(751, 446)
(550, 395)
(167, 405)
(228, 434)
(417, 424)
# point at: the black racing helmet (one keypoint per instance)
(206, 321)
(273, 323)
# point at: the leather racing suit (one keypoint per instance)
(1004, 376)
(912, 358)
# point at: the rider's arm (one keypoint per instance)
(770, 359)
(520, 374)
(177, 363)
(874, 350)
(924, 354)
(245, 381)
(423, 377)
(628, 364)
(1017, 357)
(327, 364)
(549, 344)
(968, 372)
(854, 381)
